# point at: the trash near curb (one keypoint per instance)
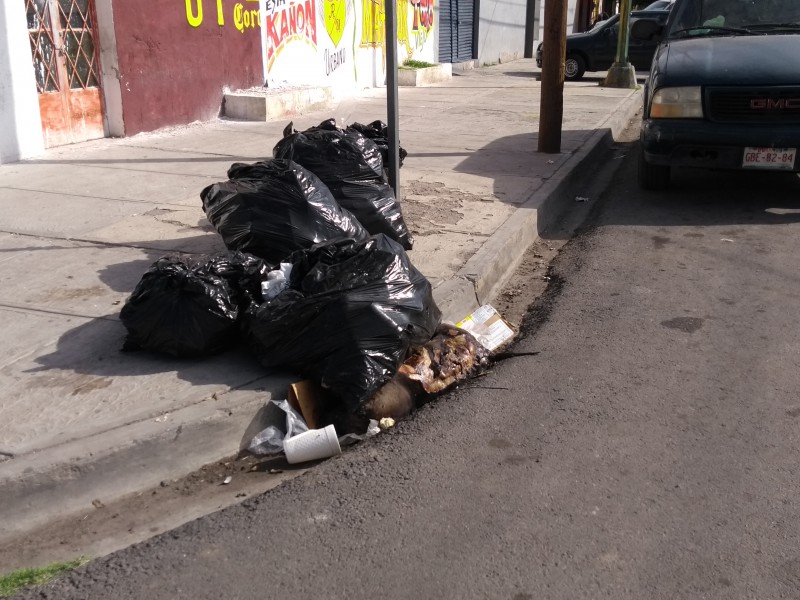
(317, 282)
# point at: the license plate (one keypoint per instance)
(769, 158)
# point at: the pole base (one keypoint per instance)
(621, 75)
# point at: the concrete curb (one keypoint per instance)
(488, 270)
(125, 460)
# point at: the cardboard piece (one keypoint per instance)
(306, 397)
(488, 327)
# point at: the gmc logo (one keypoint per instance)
(770, 104)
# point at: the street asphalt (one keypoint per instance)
(83, 421)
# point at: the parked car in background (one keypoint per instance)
(724, 88)
(596, 49)
(659, 5)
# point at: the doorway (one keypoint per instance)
(64, 54)
(456, 30)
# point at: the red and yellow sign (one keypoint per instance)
(295, 21)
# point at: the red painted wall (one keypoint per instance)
(172, 73)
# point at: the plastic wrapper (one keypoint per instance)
(269, 441)
(189, 307)
(351, 165)
(273, 208)
(347, 320)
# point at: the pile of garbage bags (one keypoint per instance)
(316, 279)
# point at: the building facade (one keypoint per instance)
(74, 70)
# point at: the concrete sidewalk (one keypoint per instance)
(81, 224)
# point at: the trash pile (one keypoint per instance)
(316, 281)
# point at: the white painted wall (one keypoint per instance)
(501, 31)
(20, 122)
(343, 47)
(571, 6)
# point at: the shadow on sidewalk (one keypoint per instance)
(95, 347)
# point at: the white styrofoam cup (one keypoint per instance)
(312, 445)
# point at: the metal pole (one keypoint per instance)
(393, 116)
(622, 74)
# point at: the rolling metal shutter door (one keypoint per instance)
(445, 31)
(463, 47)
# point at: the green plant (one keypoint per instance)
(16, 580)
(417, 64)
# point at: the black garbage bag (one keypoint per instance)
(332, 153)
(350, 164)
(243, 272)
(378, 132)
(351, 313)
(185, 307)
(275, 207)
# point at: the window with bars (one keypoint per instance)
(62, 28)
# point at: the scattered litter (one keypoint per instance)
(550, 162)
(386, 423)
(488, 327)
(346, 322)
(227, 480)
(726, 240)
(275, 471)
(98, 504)
(276, 282)
(581, 199)
(162, 418)
(313, 444)
(271, 439)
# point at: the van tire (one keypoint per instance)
(652, 177)
(574, 67)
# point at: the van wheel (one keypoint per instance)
(652, 177)
(574, 67)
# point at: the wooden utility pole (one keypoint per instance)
(554, 50)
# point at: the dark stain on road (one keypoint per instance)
(500, 443)
(794, 412)
(659, 241)
(727, 301)
(687, 324)
(92, 384)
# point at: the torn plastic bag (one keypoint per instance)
(182, 307)
(378, 132)
(273, 208)
(347, 320)
(270, 440)
(350, 164)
